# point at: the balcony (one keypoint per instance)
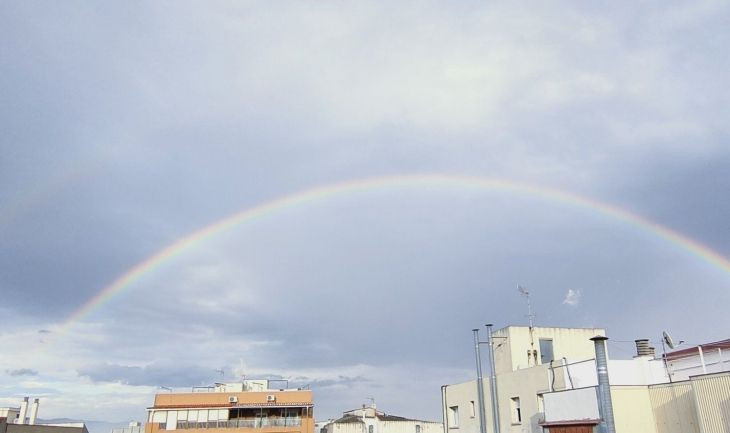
(250, 423)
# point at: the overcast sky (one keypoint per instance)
(124, 127)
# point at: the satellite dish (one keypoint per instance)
(668, 339)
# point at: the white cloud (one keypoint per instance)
(572, 297)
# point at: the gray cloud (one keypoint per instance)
(123, 132)
(150, 375)
(22, 372)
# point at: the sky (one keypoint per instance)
(127, 127)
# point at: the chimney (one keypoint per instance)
(23, 411)
(605, 405)
(643, 349)
(33, 412)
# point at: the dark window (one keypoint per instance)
(546, 351)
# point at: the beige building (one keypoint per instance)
(246, 407)
(529, 363)
(370, 420)
(698, 405)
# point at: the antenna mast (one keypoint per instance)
(532, 355)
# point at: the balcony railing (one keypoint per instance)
(242, 423)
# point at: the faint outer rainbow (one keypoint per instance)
(416, 180)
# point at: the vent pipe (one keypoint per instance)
(493, 381)
(643, 348)
(23, 411)
(33, 412)
(480, 384)
(605, 405)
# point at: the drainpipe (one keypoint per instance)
(480, 384)
(23, 411)
(493, 381)
(33, 412)
(605, 405)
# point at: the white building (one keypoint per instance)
(370, 420)
(534, 365)
(702, 359)
(9, 414)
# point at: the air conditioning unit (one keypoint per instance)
(271, 397)
(232, 399)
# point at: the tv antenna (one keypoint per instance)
(526, 293)
(532, 355)
(221, 371)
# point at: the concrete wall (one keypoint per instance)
(571, 405)
(525, 384)
(571, 343)
(632, 409)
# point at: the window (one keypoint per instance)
(454, 416)
(418, 428)
(546, 351)
(515, 409)
(371, 428)
(472, 411)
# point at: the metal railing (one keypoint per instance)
(242, 423)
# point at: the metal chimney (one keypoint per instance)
(33, 412)
(480, 384)
(605, 405)
(23, 411)
(642, 348)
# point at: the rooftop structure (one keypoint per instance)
(248, 406)
(14, 420)
(368, 419)
(701, 359)
(533, 365)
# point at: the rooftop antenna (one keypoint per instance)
(667, 341)
(533, 353)
(222, 372)
(526, 293)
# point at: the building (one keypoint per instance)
(529, 362)
(9, 414)
(368, 419)
(700, 404)
(133, 427)
(14, 420)
(703, 359)
(546, 375)
(250, 406)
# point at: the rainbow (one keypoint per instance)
(252, 214)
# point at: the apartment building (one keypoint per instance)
(251, 406)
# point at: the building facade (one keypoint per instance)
(370, 420)
(697, 405)
(246, 407)
(702, 359)
(529, 362)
